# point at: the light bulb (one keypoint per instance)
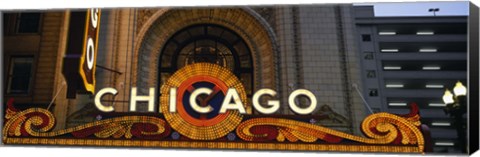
(460, 89)
(448, 97)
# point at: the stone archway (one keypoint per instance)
(165, 22)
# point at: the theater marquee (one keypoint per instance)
(297, 78)
(204, 105)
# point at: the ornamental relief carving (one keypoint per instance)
(143, 15)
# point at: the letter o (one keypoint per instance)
(90, 53)
(298, 110)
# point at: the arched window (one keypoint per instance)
(207, 43)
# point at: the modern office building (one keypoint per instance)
(413, 59)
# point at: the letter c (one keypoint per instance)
(100, 94)
(194, 104)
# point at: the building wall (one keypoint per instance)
(449, 40)
(47, 57)
(318, 48)
(308, 47)
(116, 37)
(44, 47)
(47, 48)
(318, 53)
(307, 42)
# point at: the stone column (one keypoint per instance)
(60, 110)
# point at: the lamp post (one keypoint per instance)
(434, 10)
(456, 108)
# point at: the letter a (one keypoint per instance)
(237, 105)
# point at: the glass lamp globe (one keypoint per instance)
(448, 97)
(460, 89)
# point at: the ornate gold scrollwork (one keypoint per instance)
(37, 122)
(384, 133)
(380, 128)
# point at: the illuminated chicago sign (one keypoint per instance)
(222, 104)
(204, 105)
(90, 45)
(205, 84)
(79, 62)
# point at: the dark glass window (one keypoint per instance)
(5, 22)
(20, 75)
(207, 43)
(366, 37)
(373, 92)
(28, 22)
(9, 23)
(368, 55)
(371, 74)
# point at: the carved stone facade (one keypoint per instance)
(142, 17)
(267, 13)
(292, 47)
(165, 23)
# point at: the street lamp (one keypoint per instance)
(448, 97)
(459, 89)
(434, 10)
(456, 108)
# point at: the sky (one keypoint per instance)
(419, 8)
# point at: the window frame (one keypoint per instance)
(12, 25)
(9, 74)
(364, 37)
(369, 54)
(371, 73)
(239, 69)
(17, 23)
(370, 90)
